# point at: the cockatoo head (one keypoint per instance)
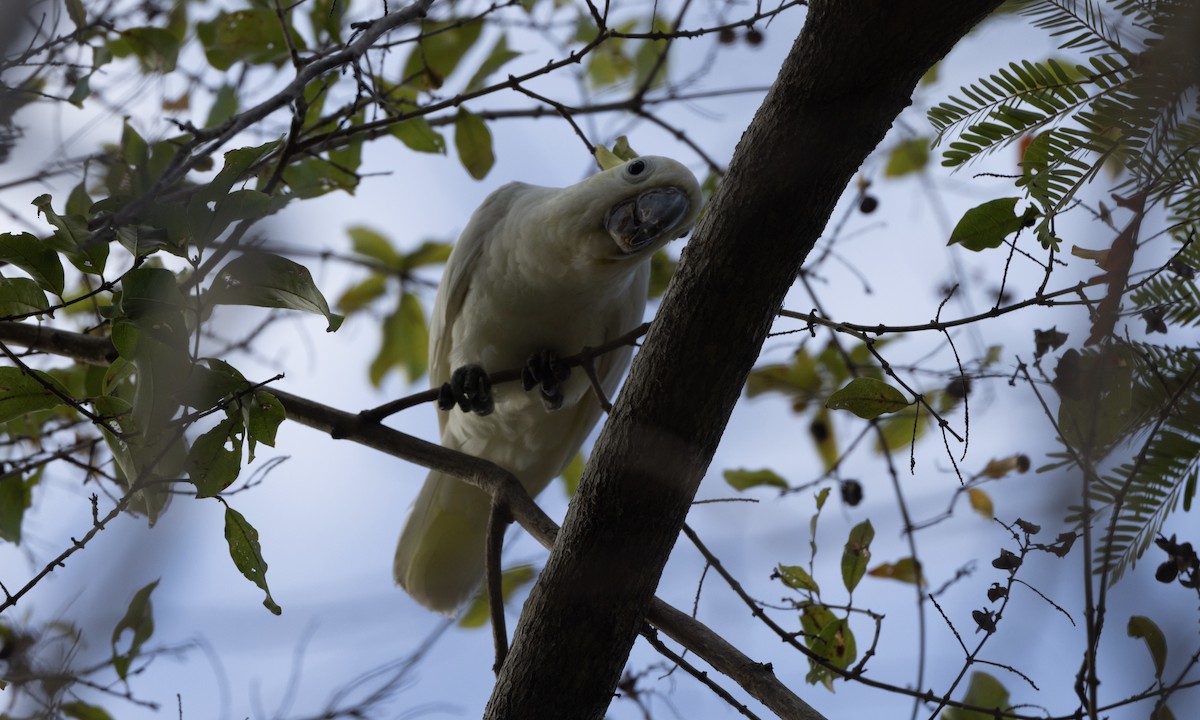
(638, 207)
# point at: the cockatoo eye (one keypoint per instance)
(635, 168)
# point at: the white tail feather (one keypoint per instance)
(440, 556)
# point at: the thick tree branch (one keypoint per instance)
(826, 112)
(757, 679)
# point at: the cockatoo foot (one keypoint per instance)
(546, 371)
(470, 389)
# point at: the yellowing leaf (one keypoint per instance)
(662, 267)
(908, 157)
(405, 342)
(573, 473)
(742, 479)
(821, 431)
(980, 502)
(1143, 627)
(905, 570)
(374, 245)
(359, 296)
(984, 691)
(510, 581)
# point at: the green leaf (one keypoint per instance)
(211, 465)
(478, 614)
(77, 14)
(836, 642)
(473, 141)
(830, 638)
(21, 394)
(83, 711)
(499, 56)
(16, 495)
(243, 205)
(247, 554)
(225, 105)
(907, 157)
(139, 617)
(742, 479)
(867, 398)
(327, 16)
(983, 690)
(20, 297)
(430, 252)
(374, 245)
(985, 226)
(363, 294)
(405, 342)
(152, 334)
(81, 91)
(266, 280)
(608, 64)
(210, 385)
(316, 176)
(348, 158)
(647, 56)
(438, 52)
(134, 149)
(253, 36)
(150, 296)
(901, 430)
(238, 163)
(1143, 627)
(797, 578)
(573, 473)
(266, 415)
(142, 456)
(857, 554)
(1162, 712)
(72, 238)
(418, 135)
(800, 380)
(155, 48)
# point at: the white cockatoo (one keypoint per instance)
(538, 274)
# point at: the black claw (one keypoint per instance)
(446, 400)
(546, 371)
(470, 388)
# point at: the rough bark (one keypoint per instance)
(849, 74)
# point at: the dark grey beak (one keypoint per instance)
(636, 222)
